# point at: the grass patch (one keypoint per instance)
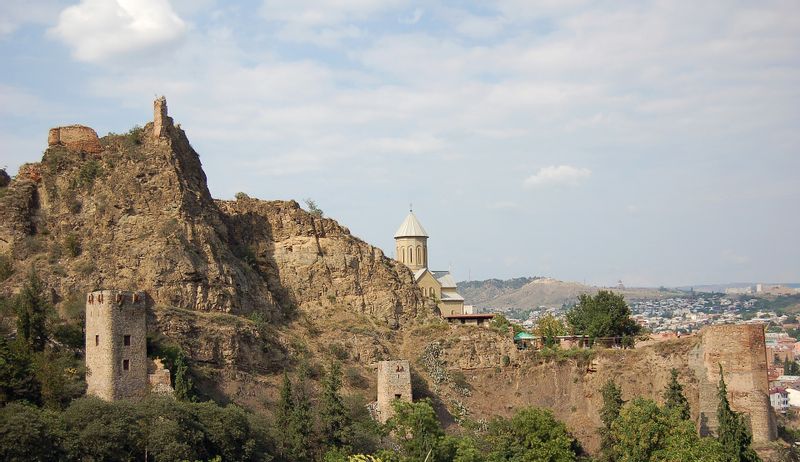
(72, 245)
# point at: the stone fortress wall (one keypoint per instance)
(75, 138)
(394, 383)
(741, 350)
(116, 346)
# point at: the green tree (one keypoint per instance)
(416, 429)
(645, 432)
(531, 434)
(301, 421)
(184, 386)
(732, 431)
(313, 209)
(604, 315)
(674, 398)
(548, 328)
(501, 323)
(333, 414)
(791, 367)
(283, 415)
(28, 433)
(612, 404)
(17, 375)
(32, 311)
(104, 431)
(61, 377)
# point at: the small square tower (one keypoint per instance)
(394, 383)
(116, 345)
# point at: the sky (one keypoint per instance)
(653, 142)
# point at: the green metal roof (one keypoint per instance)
(524, 336)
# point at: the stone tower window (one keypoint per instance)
(126, 340)
(411, 254)
(126, 364)
(397, 396)
(96, 340)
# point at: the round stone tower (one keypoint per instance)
(411, 243)
(116, 345)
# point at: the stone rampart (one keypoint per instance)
(741, 351)
(75, 138)
(394, 383)
(116, 346)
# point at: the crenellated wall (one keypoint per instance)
(111, 316)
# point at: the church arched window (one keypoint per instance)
(419, 254)
(411, 254)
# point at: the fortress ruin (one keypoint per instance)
(161, 121)
(75, 138)
(116, 348)
(741, 351)
(394, 383)
(117, 366)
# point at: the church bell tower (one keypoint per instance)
(411, 243)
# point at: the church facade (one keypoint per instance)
(411, 249)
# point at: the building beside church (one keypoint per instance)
(411, 249)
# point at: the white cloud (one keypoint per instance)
(557, 175)
(97, 30)
(323, 23)
(414, 18)
(16, 13)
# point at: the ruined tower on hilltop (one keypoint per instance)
(116, 348)
(394, 383)
(161, 121)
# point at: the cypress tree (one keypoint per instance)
(732, 432)
(674, 399)
(283, 417)
(301, 423)
(333, 414)
(183, 383)
(32, 310)
(612, 404)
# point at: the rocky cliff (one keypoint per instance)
(249, 287)
(133, 212)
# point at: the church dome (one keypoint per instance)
(411, 227)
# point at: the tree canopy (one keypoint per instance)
(548, 328)
(603, 315)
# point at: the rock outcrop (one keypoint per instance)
(139, 216)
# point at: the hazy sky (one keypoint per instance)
(657, 142)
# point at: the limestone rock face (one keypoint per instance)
(75, 138)
(315, 263)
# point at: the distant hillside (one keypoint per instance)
(528, 293)
(733, 285)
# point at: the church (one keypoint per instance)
(411, 249)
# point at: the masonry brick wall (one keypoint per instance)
(741, 350)
(112, 316)
(394, 382)
(75, 138)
